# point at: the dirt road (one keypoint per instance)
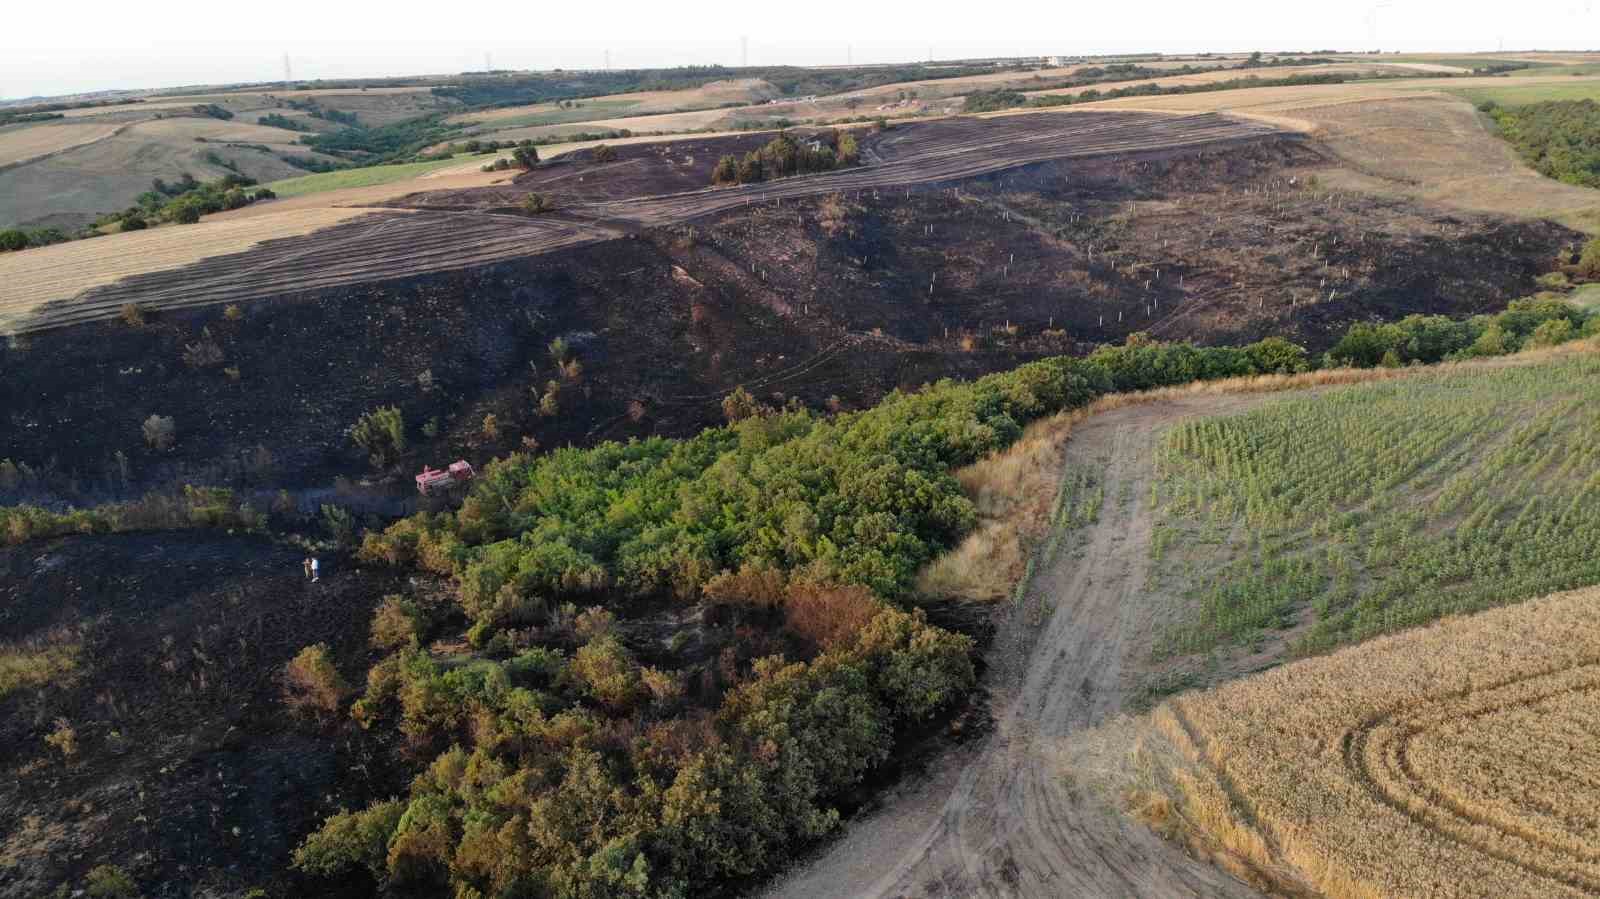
(1001, 818)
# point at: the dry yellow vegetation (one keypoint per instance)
(1454, 760)
(1402, 137)
(32, 278)
(23, 143)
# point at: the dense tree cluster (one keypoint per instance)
(1525, 324)
(787, 155)
(1560, 139)
(567, 766)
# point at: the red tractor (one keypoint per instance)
(431, 479)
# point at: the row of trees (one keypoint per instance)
(1425, 339)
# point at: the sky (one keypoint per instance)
(57, 48)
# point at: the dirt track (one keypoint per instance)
(390, 245)
(1000, 818)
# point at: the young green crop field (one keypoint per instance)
(1330, 518)
(1586, 88)
(362, 177)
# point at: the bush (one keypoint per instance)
(537, 203)
(134, 223)
(526, 156)
(109, 882)
(186, 213)
(398, 623)
(160, 432)
(312, 684)
(13, 239)
(64, 738)
(603, 153)
(132, 314)
(204, 353)
(382, 433)
(352, 839)
(1589, 262)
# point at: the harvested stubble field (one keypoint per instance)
(1455, 760)
(22, 144)
(59, 293)
(1325, 520)
(1403, 138)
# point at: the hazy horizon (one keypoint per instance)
(121, 49)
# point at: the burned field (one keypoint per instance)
(493, 332)
(832, 300)
(180, 753)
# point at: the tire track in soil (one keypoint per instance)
(999, 819)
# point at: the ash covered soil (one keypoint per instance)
(847, 296)
(830, 300)
(187, 768)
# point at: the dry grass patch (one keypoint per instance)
(37, 664)
(1464, 748)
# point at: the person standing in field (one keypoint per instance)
(316, 575)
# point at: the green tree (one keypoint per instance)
(526, 156)
(382, 433)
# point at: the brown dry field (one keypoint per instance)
(743, 90)
(20, 145)
(1465, 748)
(1343, 68)
(33, 277)
(1402, 139)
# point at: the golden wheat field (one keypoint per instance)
(1454, 760)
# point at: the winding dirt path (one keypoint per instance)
(1001, 818)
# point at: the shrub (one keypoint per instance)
(204, 353)
(397, 623)
(311, 683)
(537, 203)
(232, 312)
(827, 615)
(352, 838)
(132, 314)
(13, 239)
(382, 433)
(526, 156)
(1589, 262)
(64, 738)
(491, 427)
(160, 432)
(109, 882)
(740, 405)
(134, 223)
(186, 213)
(603, 153)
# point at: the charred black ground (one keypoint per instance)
(842, 297)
